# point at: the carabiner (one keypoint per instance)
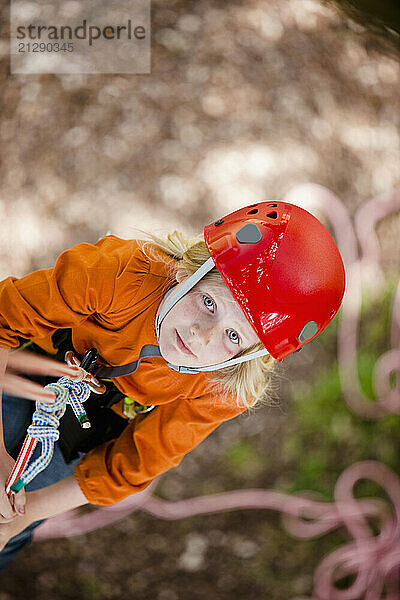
(88, 361)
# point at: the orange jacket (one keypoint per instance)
(109, 293)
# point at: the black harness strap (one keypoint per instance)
(106, 424)
(100, 371)
(62, 341)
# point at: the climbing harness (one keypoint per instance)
(46, 421)
(77, 430)
(89, 360)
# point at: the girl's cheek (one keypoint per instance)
(193, 310)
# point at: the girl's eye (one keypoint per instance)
(233, 336)
(209, 303)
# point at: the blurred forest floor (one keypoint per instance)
(245, 100)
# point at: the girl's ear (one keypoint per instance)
(181, 275)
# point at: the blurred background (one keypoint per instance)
(245, 101)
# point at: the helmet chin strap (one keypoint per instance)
(171, 298)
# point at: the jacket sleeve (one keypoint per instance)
(149, 446)
(80, 284)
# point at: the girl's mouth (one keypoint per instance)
(182, 346)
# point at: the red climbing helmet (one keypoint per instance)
(283, 268)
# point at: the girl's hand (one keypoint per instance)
(10, 507)
(20, 360)
(10, 361)
(11, 528)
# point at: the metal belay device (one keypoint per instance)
(46, 420)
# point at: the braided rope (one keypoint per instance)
(44, 429)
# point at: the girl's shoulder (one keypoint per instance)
(140, 253)
(113, 245)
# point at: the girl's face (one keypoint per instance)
(204, 328)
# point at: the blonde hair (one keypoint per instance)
(248, 382)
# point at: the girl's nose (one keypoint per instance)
(204, 333)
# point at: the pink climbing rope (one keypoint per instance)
(372, 559)
(363, 270)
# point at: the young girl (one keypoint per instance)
(191, 328)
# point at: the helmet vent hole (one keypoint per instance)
(219, 222)
(253, 212)
(332, 311)
(272, 215)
